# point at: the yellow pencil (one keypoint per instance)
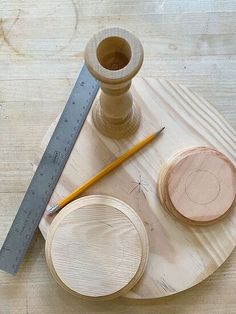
(115, 163)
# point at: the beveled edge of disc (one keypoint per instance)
(162, 188)
(134, 219)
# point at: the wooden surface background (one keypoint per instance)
(41, 48)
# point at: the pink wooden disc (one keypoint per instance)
(202, 185)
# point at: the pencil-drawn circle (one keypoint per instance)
(200, 185)
(195, 185)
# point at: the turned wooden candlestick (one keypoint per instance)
(114, 56)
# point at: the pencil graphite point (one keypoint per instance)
(158, 132)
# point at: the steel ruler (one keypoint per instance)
(48, 172)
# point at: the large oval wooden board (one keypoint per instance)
(180, 256)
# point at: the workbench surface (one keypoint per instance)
(41, 53)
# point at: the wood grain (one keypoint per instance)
(183, 113)
(198, 186)
(114, 56)
(190, 42)
(97, 248)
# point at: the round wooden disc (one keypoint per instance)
(190, 121)
(97, 247)
(200, 185)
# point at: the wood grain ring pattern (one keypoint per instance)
(190, 121)
(97, 248)
(207, 204)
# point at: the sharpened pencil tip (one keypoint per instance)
(158, 132)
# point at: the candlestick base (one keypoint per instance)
(116, 129)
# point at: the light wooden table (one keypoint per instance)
(41, 52)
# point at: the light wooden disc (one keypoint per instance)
(199, 186)
(181, 255)
(97, 247)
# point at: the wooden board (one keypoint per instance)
(180, 256)
(192, 42)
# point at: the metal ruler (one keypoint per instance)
(48, 172)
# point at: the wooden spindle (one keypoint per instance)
(114, 56)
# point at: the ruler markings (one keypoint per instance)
(48, 172)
